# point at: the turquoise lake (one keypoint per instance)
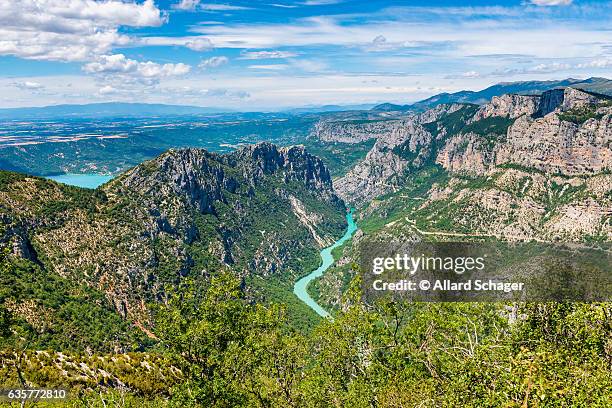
(300, 288)
(82, 180)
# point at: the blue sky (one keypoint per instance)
(274, 54)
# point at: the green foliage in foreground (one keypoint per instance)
(229, 352)
(235, 354)
(43, 310)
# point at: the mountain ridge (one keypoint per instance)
(601, 85)
(187, 213)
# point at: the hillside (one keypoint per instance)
(262, 212)
(519, 168)
(171, 284)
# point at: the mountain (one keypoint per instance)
(105, 110)
(386, 107)
(550, 152)
(600, 85)
(262, 212)
(520, 168)
(330, 108)
(171, 284)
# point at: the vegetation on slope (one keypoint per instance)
(47, 311)
(579, 116)
(339, 157)
(232, 353)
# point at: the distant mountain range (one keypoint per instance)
(139, 110)
(123, 110)
(105, 110)
(599, 85)
(331, 108)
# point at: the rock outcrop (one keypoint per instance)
(546, 143)
(261, 210)
(379, 172)
(347, 131)
(510, 106)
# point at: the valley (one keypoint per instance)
(207, 251)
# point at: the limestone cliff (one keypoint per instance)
(555, 142)
(259, 211)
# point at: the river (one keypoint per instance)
(301, 286)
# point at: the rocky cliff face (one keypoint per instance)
(405, 144)
(378, 172)
(553, 145)
(545, 153)
(510, 106)
(550, 101)
(549, 143)
(348, 131)
(261, 210)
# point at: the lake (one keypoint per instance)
(82, 180)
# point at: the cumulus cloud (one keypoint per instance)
(187, 4)
(191, 5)
(70, 30)
(106, 90)
(598, 63)
(258, 55)
(29, 85)
(199, 44)
(213, 62)
(120, 68)
(551, 2)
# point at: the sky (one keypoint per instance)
(276, 54)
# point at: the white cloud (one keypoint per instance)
(470, 74)
(105, 90)
(213, 62)
(598, 63)
(191, 5)
(552, 2)
(70, 30)
(29, 85)
(283, 5)
(258, 55)
(199, 44)
(310, 65)
(467, 74)
(187, 4)
(118, 68)
(196, 43)
(553, 67)
(271, 67)
(528, 35)
(227, 93)
(221, 7)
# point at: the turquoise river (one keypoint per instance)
(301, 286)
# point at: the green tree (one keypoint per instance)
(232, 353)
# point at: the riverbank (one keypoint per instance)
(300, 289)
